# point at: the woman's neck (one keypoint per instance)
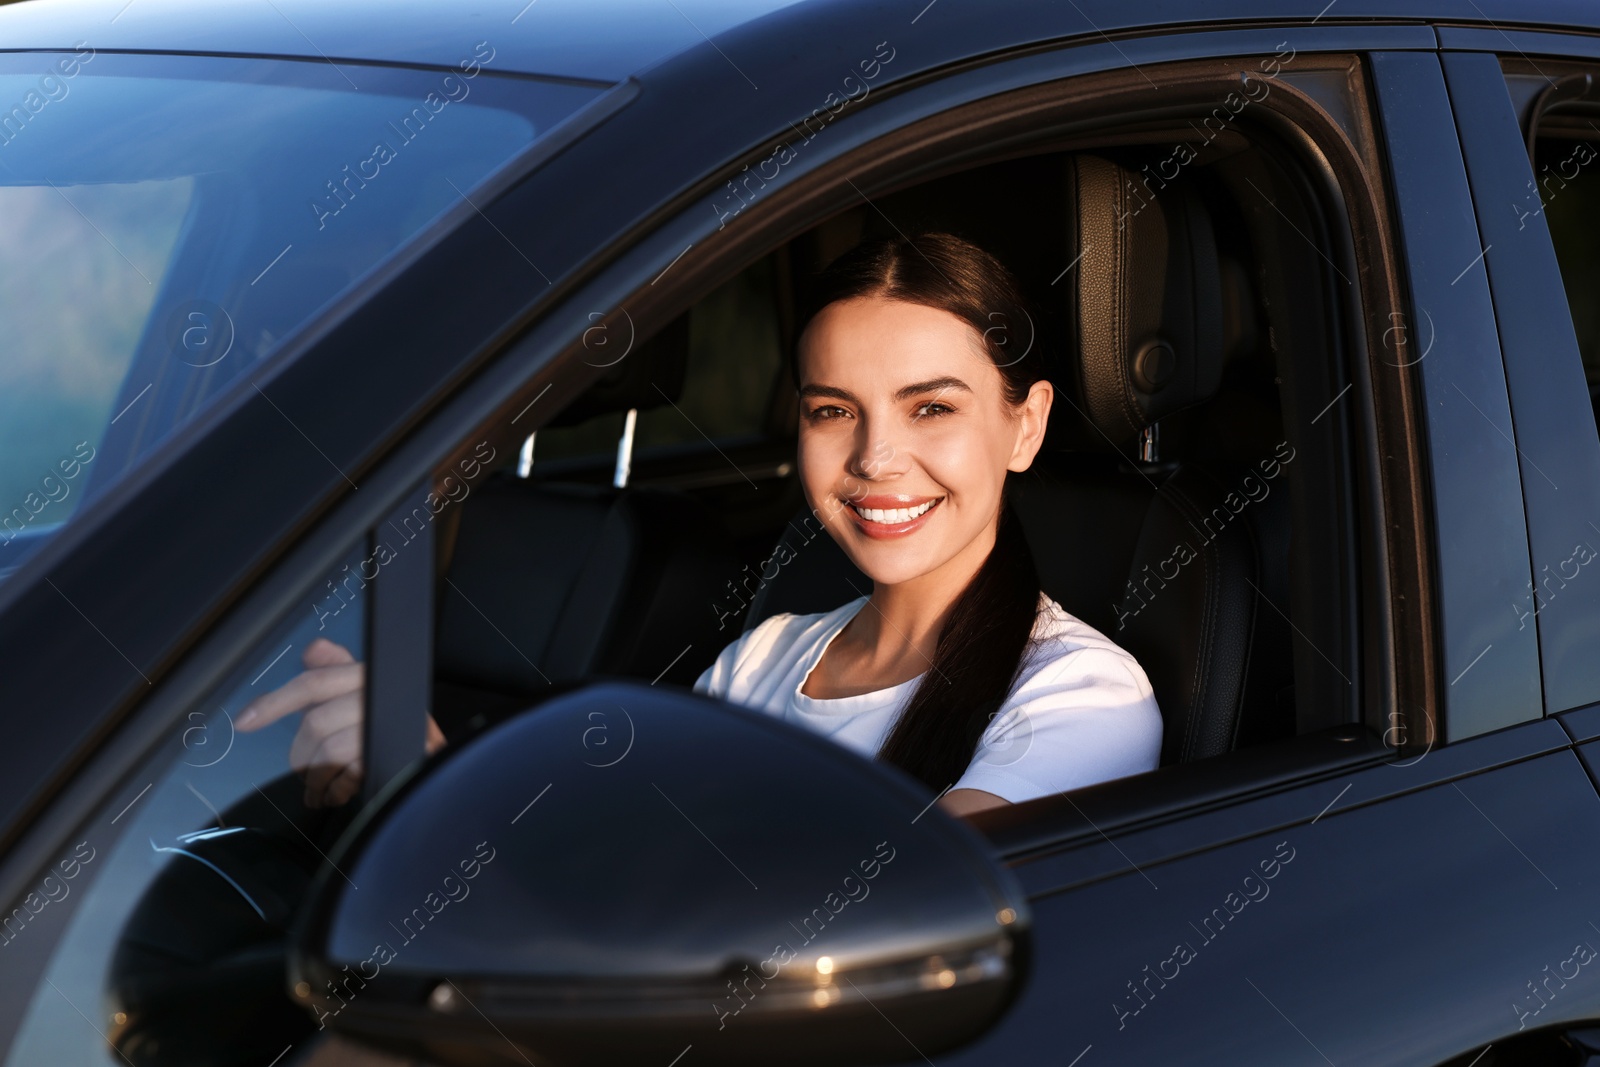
(905, 619)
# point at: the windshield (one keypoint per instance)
(171, 220)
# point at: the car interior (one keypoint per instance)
(1186, 327)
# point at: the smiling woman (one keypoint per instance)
(963, 672)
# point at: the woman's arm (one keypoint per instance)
(967, 801)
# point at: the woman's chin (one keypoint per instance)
(888, 565)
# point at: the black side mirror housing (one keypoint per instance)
(628, 871)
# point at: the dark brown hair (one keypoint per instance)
(980, 650)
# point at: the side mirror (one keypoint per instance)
(629, 871)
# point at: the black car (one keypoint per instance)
(456, 334)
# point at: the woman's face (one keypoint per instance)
(906, 436)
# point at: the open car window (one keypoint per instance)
(1243, 487)
(157, 247)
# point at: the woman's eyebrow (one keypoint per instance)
(943, 385)
(828, 391)
(905, 392)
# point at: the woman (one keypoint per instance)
(957, 668)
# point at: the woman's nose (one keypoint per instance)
(875, 455)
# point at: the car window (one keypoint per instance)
(177, 894)
(734, 360)
(157, 247)
(1567, 170)
(561, 576)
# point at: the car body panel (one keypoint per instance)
(1350, 952)
(1480, 534)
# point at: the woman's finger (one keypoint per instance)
(332, 758)
(314, 686)
(344, 787)
(319, 724)
(324, 653)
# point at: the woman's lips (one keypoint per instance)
(880, 505)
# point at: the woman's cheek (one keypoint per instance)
(818, 475)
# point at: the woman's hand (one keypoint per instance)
(327, 747)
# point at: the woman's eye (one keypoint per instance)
(824, 412)
(933, 409)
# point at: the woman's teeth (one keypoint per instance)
(893, 516)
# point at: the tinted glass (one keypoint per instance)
(734, 361)
(172, 220)
(1568, 174)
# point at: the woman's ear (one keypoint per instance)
(1033, 418)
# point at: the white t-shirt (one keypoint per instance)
(1082, 710)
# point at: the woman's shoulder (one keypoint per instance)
(788, 626)
(1062, 642)
(772, 646)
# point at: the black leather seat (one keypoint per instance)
(1145, 337)
(1213, 542)
(548, 584)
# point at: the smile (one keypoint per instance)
(893, 516)
(882, 523)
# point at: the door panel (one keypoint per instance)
(1402, 932)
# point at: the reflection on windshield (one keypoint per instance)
(170, 220)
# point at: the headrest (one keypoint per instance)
(631, 380)
(1147, 318)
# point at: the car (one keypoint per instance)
(456, 334)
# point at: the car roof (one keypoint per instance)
(610, 40)
(603, 40)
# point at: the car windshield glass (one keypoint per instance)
(172, 220)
